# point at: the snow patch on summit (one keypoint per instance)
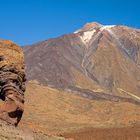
(86, 37)
(107, 27)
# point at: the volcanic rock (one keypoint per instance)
(12, 82)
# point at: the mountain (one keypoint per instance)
(98, 62)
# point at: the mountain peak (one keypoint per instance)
(91, 25)
(88, 30)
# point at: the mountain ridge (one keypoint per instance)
(106, 59)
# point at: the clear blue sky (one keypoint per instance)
(30, 21)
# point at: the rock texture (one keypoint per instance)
(96, 60)
(8, 132)
(12, 82)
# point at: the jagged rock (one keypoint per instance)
(12, 82)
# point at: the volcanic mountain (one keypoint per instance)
(98, 62)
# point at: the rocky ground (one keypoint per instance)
(52, 114)
(8, 132)
(50, 111)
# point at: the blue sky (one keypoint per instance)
(29, 21)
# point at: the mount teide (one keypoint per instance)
(98, 62)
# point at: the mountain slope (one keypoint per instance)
(96, 59)
(52, 111)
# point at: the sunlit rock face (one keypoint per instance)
(12, 82)
(103, 59)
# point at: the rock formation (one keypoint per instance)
(12, 82)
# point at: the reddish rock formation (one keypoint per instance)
(12, 82)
